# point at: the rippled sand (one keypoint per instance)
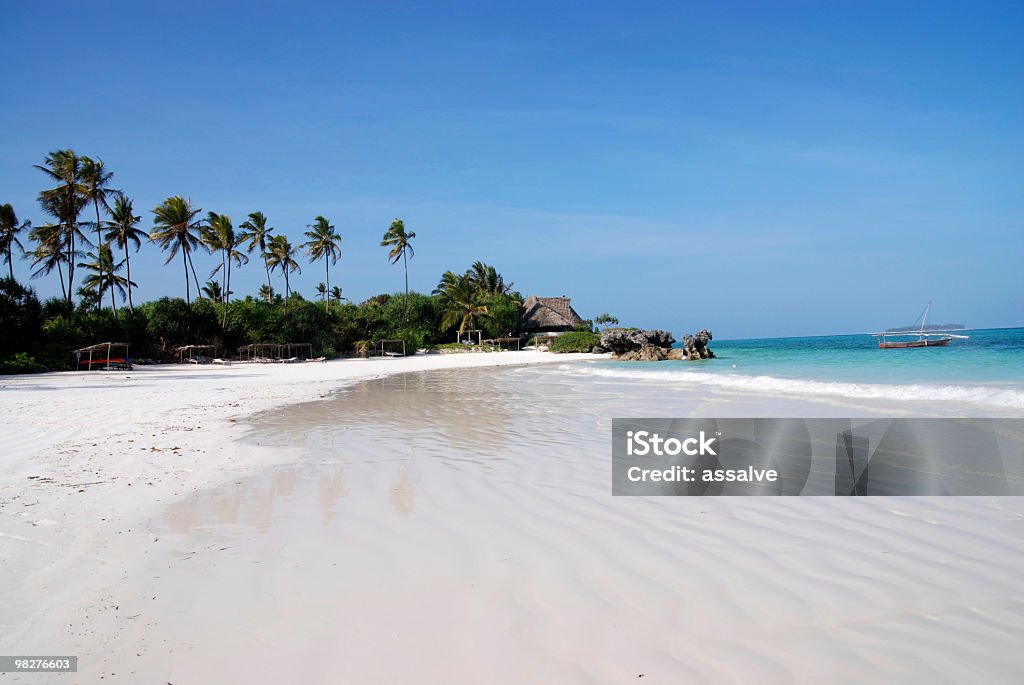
(457, 526)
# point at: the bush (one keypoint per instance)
(20, 363)
(575, 341)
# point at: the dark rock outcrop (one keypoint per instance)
(621, 341)
(696, 345)
(655, 345)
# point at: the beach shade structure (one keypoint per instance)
(276, 352)
(108, 355)
(542, 339)
(196, 354)
(500, 343)
(468, 335)
(385, 352)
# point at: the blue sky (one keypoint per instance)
(760, 169)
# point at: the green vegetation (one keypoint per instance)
(575, 341)
(477, 303)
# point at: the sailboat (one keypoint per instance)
(917, 337)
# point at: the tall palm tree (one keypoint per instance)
(123, 229)
(281, 255)
(219, 236)
(400, 243)
(49, 253)
(462, 302)
(256, 232)
(64, 202)
(176, 230)
(324, 243)
(487, 280)
(96, 178)
(9, 230)
(105, 275)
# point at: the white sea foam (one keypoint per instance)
(1007, 398)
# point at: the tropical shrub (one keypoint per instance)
(575, 341)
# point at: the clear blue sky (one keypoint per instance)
(757, 168)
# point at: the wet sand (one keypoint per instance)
(457, 526)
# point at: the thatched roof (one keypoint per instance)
(549, 313)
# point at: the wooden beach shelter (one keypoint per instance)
(195, 353)
(395, 341)
(470, 333)
(275, 352)
(108, 355)
(501, 342)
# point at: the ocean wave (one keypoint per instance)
(1008, 398)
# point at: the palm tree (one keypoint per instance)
(49, 253)
(95, 178)
(219, 236)
(105, 275)
(487, 280)
(64, 202)
(266, 293)
(461, 300)
(9, 230)
(257, 233)
(323, 244)
(401, 248)
(123, 229)
(281, 255)
(213, 291)
(321, 291)
(336, 295)
(176, 230)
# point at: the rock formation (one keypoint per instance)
(655, 345)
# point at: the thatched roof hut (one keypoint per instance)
(549, 315)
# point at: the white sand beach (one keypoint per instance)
(456, 525)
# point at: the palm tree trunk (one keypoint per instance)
(99, 240)
(287, 288)
(184, 263)
(194, 277)
(10, 262)
(60, 273)
(71, 268)
(128, 263)
(327, 300)
(227, 296)
(266, 267)
(113, 303)
(405, 263)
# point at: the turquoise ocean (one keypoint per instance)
(985, 369)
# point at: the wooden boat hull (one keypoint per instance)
(902, 344)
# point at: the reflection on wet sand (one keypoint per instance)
(254, 501)
(414, 409)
